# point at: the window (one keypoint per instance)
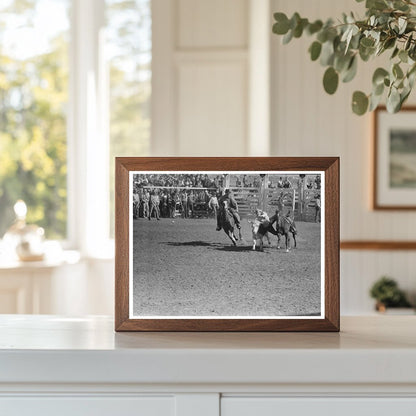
(75, 88)
(33, 102)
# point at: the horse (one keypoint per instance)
(284, 226)
(227, 222)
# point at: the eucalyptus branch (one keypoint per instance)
(389, 25)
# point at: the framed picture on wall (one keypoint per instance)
(394, 182)
(227, 244)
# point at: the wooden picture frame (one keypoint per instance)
(394, 184)
(325, 249)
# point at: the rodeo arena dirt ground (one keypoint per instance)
(185, 267)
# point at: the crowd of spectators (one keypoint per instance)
(197, 194)
(213, 182)
(283, 183)
(314, 183)
(198, 180)
(180, 180)
(167, 203)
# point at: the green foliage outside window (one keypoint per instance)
(34, 103)
(33, 99)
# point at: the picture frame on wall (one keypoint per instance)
(197, 244)
(394, 152)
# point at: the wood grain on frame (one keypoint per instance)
(376, 205)
(330, 165)
(121, 244)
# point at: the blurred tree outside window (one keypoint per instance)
(34, 41)
(34, 94)
(129, 52)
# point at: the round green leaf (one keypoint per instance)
(379, 75)
(395, 52)
(411, 76)
(366, 53)
(404, 96)
(403, 56)
(408, 42)
(315, 50)
(314, 27)
(342, 61)
(376, 4)
(294, 20)
(374, 102)
(389, 43)
(397, 71)
(412, 52)
(327, 54)
(322, 36)
(359, 103)
(412, 70)
(298, 30)
(281, 27)
(288, 37)
(351, 71)
(378, 90)
(393, 101)
(330, 80)
(367, 42)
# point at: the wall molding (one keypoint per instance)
(377, 245)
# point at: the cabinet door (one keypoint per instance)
(87, 406)
(269, 406)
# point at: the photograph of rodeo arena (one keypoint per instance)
(226, 244)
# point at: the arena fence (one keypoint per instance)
(300, 204)
(303, 208)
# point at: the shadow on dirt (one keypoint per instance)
(233, 248)
(242, 246)
(190, 243)
(212, 246)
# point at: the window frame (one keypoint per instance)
(88, 133)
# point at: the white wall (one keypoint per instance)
(308, 122)
(202, 83)
(211, 93)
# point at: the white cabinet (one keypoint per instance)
(270, 406)
(87, 406)
(65, 366)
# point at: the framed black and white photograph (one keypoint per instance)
(211, 244)
(395, 159)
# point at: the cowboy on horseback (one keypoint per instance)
(285, 224)
(277, 217)
(227, 200)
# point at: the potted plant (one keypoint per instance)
(389, 27)
(387, 294)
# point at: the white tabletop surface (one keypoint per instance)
(50, 332)
(46, 349)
